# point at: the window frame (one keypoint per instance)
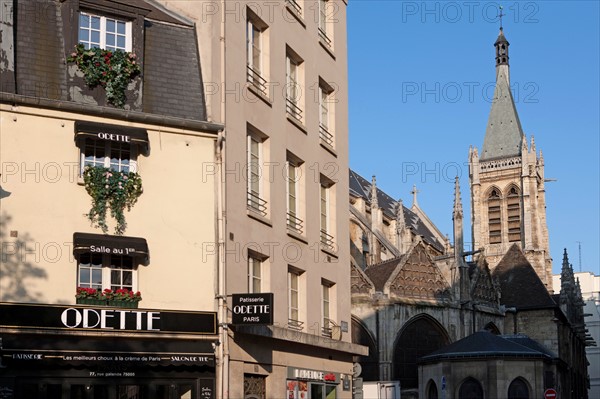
(494, 208)
(253, 260)
(255, 190)
(293, 85)
(323, 25)
(103, 32)
(294, 211)
(326, 113)
(107, 270)
(107, 162)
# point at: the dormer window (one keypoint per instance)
(104, 32)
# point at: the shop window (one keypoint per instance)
(254, 386)
(432, 392)
(297, 389)
(96, 31)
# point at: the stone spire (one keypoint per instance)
(414, 194)
(400, 222)
(374, 200)
(457, 218)
(503, 134)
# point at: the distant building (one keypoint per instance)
(589, 284)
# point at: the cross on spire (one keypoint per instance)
(414, 194)
(500, 15)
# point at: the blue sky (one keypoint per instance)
(421, 76)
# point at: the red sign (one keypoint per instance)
(550, 394)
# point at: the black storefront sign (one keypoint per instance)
(252, 309)
(36, 350)
(63, 317)
(102, 131)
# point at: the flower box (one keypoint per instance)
(123, 304)
(119, 298)
(90, 301)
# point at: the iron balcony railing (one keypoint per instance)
(327, 332)
(323, 36)
(257, 81)
(293, 109)
(295, 223)
(325, 135)
(327, 240)
(295, 324)
(295, 6)
(257, 204)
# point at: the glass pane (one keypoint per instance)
(110, 40)
(121, 27)
(95, 36)
(162, 392)
(132, 392)
(110, 25)
(185, 391)
(84, 276)
(84, 20)
(95, 23)
(77, 392)
(115, 277)
(84, 35)
(330, 392)
(316, 391)
(127, 278)
(121, 42)
(97, 277)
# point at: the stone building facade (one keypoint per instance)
(447, 327)
(71, 321)
(508, 200)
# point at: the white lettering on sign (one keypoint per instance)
(109, 319)
(251, 309)
(114, 137)
(309, 374)
(27, 356)
(109, 250)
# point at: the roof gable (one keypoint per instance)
(419, 277)
(520, 285)
(359, 282)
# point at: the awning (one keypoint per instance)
(102, 131)
(104, 244)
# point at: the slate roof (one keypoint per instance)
(172, 81)
(520, 285)
(172, 78)
(485, 344)
(380, 273)
(503, 133)
(360, 187)
(524, 340)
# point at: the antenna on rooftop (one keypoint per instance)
(579, 242)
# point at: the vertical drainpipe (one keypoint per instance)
(223, 330)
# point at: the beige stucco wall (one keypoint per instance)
(48, 203)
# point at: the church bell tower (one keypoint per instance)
(508, 204)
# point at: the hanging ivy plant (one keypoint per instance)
(113, 70)
(111, 189)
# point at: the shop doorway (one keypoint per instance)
(322, 391)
